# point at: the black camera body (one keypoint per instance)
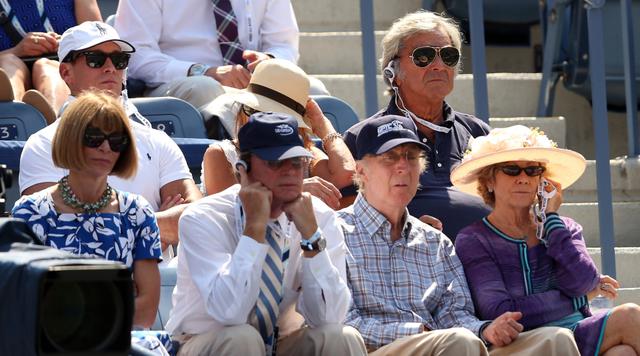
(56, 303)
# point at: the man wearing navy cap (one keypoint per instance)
(262, 264)
(409, 290)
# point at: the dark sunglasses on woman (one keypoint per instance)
(94, 137)
(423, 56)
(514, 170)
(96, 59)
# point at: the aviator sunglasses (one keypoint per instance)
(423, 56)
(514, 170)
(94, 137)
(96, 59)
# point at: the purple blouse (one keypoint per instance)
(548, 284)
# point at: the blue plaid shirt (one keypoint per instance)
(398, 286)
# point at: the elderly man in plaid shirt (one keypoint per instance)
(410, 295)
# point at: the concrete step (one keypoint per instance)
(344, 15)
(628, 295)
(625, 182)
(625, 220)
(510, 95)
(341, 53)
(627, 262)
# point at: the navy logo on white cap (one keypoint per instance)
(395, 125)
(283, 130)
(102, 29)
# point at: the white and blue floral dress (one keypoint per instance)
(126, 236)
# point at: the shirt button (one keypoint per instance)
(439, 164)
(436, 151)
(424, 140)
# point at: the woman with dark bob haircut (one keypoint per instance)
(83, 214)
(525, 257)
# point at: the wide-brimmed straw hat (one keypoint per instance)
(277, 85)
(517, 143)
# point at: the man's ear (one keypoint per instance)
(65, 71)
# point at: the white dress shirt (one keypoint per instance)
(219, 271)
(170, 36)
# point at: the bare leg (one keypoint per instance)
(47, 80)
(620, 350)
(623, 328)
(17, 72)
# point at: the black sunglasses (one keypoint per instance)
(248, 110)
(514, 170)
(96, 59)
(423, 56)
(94, 137)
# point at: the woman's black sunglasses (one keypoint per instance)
(423, 56)
(514, 170)
(96, 59)
(94, 137)
(248, 110)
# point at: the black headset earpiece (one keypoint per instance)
(389, 72)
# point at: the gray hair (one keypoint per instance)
(414, 23)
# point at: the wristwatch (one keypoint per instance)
(314, 243)
(197, 69)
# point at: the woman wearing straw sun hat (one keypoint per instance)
(523, 256)
(281, 86)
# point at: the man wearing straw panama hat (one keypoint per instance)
(525, 257)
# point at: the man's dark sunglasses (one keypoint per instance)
(94, 137)
(96, 59)
(514, 170)
(423, 56)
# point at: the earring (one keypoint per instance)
(490, 190)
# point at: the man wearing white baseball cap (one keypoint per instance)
(93, 57)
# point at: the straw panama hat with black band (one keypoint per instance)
(277, 85)
(517, 143)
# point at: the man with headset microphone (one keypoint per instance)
(420, 59)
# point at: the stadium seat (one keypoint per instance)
(576, 63)
(174, 116)
(341, 114)
(167, 282)
(499, 11)
(506, 22)
(571, 54)
(18, 121)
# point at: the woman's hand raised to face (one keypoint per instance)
(554, 202)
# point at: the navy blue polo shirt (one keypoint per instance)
(436, 196)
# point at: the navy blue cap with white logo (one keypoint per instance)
(272, 137)
(381, 134)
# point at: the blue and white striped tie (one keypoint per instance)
(266, 310)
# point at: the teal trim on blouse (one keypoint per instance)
(604, 325)
(522, 252)
(570, 321)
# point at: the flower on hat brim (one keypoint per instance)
(517, 143)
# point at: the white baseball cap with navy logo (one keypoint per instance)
(87, 35)
(272, 137)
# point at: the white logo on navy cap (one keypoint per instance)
(283, 130)
(395, 125)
